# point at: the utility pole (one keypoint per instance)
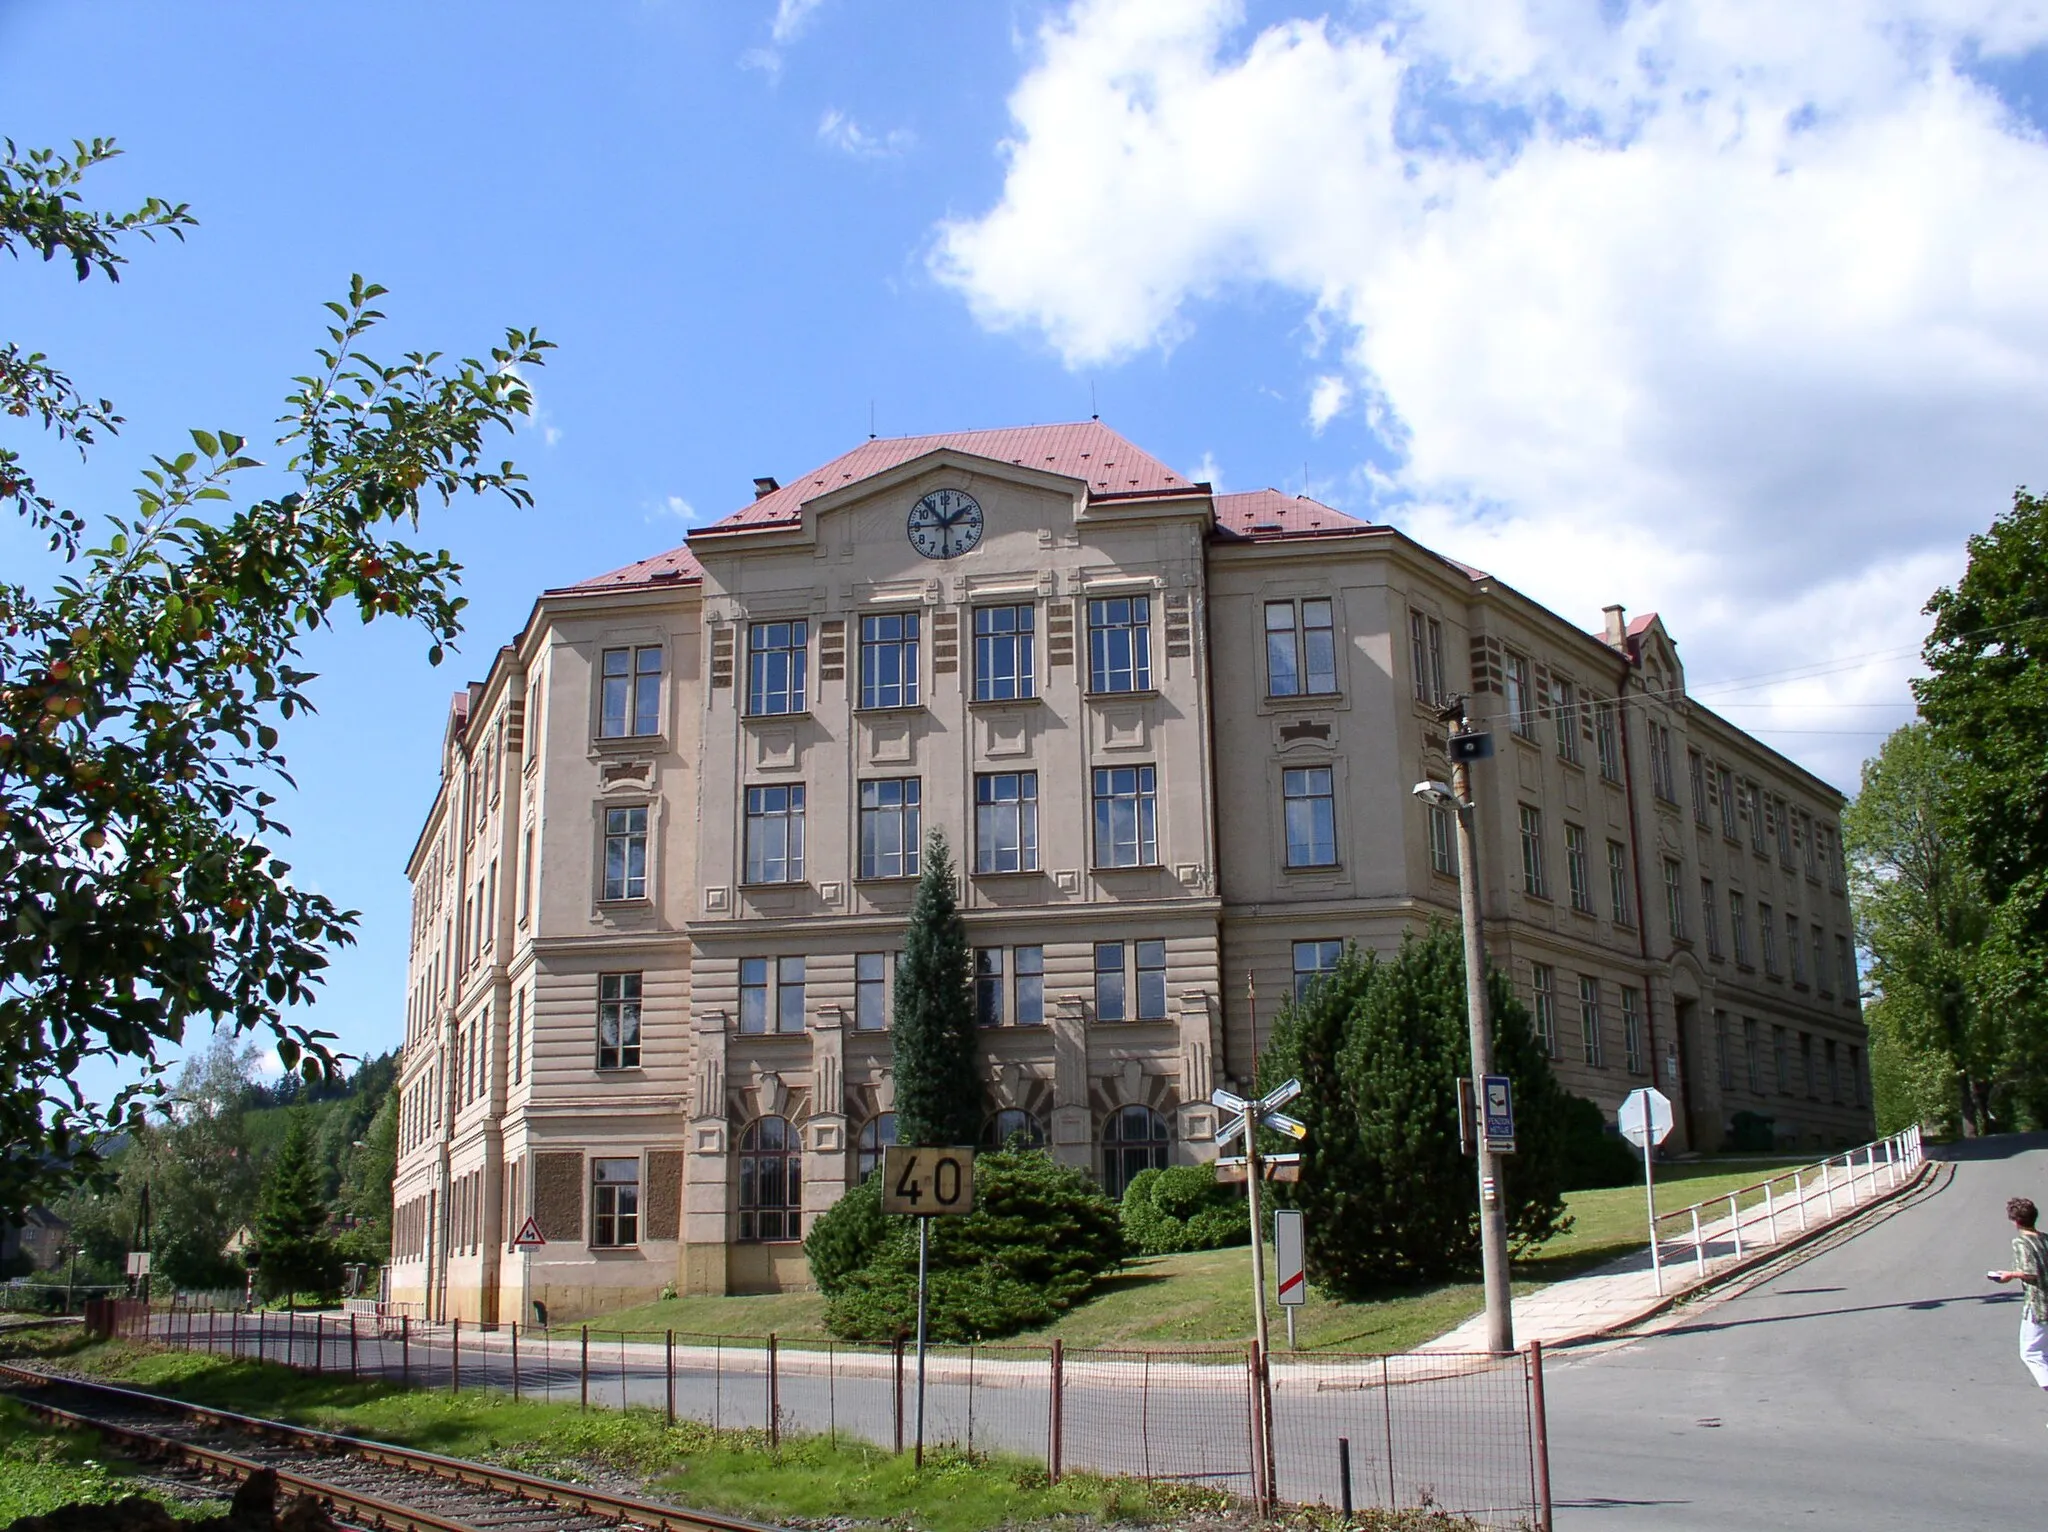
(1464, 747)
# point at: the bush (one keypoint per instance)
(846, 1236)
(1751, 1133)
(1040, 1236)
(1593, 1155)
(1181, 1208)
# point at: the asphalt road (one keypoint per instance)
(1876, 1385)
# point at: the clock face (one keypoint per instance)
(944, 524)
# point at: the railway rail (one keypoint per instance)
(367, 1484)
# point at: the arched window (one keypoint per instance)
(875, 1136)
(771, 1180)
(1133, 1139)
(1009, 1123)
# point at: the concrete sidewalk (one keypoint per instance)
(1626, 1291)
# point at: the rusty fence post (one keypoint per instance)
(1057, 1405)
(774, 1394)
(515, 1361)
(668, 1372)
(583, 1373)
(1539, 1437)
(896, 1351)
(455, 1355)
(355, 1369)
(1253, 1418)
(405, 1349)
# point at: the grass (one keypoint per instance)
(43, 1467)
(810, 1479)
(1202, 1299)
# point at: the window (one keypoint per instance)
(1516, 680)
(1028, 964)
(1795, 951)
(532, 721)
(1120, 644)
(1589, 1020)
(1311, 815)
(1710, 917)
(1834, 1075)
(1301, 648)
(1831, 853)
(1564, 716)
(783, 999)
(1151, 957)
(988, 986)
(1109, 981)
(888, 660)
(771, 1180)
(1126, 816)
(1443, 848)
(518, 1060)
(1632, 1028)
(1543, 1006)
(625, 853)
(1012, 1123)
(615, 1202)
(1855, 1075)
(1752, 1056)
(1845, 968)
(618, 1021)
(1006, 822)
(1738, 921)
(631, 701)
(876, 1134)
(1133, 1139)
(1674, 901)
(1722, 1053)
(1806, 1065)
(1781, 815)
(775, 834)
(526, 880)
(870, 991)
(776, 652)
(1532, 852)
(1661, 782)
(1578, 868)
(1004, 670)
(1696, 767)
(891, 827)
(1753, 801)
(1617, 885)
(1607, 740)
(1767, 937)
(1820, 970)
(1724, 784)
(1314, 960)
(1781, 1060)
(1425, 653)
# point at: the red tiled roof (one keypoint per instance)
(1084, 449)
(678, 566)
(1262, 515)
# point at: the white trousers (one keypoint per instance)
(2034, 1349)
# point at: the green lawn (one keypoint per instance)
(1205, 1298)
(42, 1468)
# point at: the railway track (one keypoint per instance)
(366, 1484)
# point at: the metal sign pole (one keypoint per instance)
(924, 1252)
(1650, 1201)
(1251, 1192)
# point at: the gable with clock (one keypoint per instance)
(945, 524)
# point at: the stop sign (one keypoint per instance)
(1645, 1117)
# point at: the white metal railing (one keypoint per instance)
(1762, 1214)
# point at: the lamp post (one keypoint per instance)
(1465, 747)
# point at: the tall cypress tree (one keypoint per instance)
(938, 1087)
(293, 1251)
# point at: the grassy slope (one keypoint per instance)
(1203, 1299)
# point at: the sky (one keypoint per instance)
(1724, 309)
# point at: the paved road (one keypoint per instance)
(1874, 1386)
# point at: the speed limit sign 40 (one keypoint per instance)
(927, 1183)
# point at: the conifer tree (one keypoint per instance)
(938, 1087)
(294, 1252)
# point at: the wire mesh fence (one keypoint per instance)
(1463, 1434)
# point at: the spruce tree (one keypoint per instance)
(938, 1087)
(294, 1253)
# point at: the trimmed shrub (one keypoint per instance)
(1183, 1207)
(1040, 1236)
(1594, 1156)
(845, 1237)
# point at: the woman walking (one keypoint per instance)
(2030, 1260)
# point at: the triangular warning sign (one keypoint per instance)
(528, 1236)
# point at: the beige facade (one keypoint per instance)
(1172, 738)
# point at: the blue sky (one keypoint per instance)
(1739, 320)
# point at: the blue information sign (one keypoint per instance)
(1498, 1111)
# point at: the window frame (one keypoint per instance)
(1516, 694)
(867, 986)
(993, 814)
(1121, 1156)
(1607, 740)
(1578, 869)
(1027, 977)
(1426, 656)
(1592, 1041)
(757, 857)
(877, 693)
(1674, 898)
(1443, 841)
(1296, 636)
(906, 814)
(1298, 786)
(638, 690)
(620, 999)
(762, 981)
(1564, 705)
(1125, 798)
(620, 832)
(1620, 891)
(1543, 1006)
(868, 1156)
(1724, 786)
(1534, 883)
(1017, 644)
(1119, 666)
(620, 1211)
(991, 985)
(1632, 1031)
(778, 691)
(1324, 952)
(786, 1155)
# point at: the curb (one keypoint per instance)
(1929, 1169)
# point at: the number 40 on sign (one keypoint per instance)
(927, 1183)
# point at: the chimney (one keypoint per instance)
(764, 487)
(1617, 626)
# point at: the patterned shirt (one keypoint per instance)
(2030, 1257)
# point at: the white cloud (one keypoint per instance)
(1326, 400)
(1723, 307)
(673, 508)
(1209, 472)
(791, 17)
(841, 132)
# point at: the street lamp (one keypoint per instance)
(1464, 748)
